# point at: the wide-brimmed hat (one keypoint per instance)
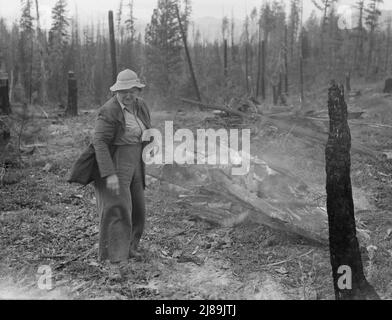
(126, 80)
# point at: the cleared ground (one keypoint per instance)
(45, 221)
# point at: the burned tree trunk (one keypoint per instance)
(247, 67)
(260, 86)
(347, 269)
(225, 64)
(72, 108)
(263, 67)
(301, 80)
(258, 79)
(280, 90)
(112, 47)
(184, 39)
(286, 64)
(4, 94)
(5, 136)
(388, 86)
(348, 82)
(275, 94)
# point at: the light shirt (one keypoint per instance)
(134, 127)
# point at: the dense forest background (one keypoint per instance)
(278, 49)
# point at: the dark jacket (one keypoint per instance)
(96, 161)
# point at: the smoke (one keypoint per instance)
(9, 290)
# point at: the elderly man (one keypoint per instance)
(120, 172)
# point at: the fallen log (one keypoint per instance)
(201, 187)
(372, 125)
(216, 217)
(275, 217)
(216, 107)
(285, 123)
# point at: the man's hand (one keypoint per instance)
(113, 184)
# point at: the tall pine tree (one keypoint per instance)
(26, 48)
(164, 45)
(58, 52)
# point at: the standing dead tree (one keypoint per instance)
(225, 30)
(359, 38)
(347, 269)
(348, 82)
(260, 84)
(184, 39)
(372, 21)
(5, 107)
(388, 45)
(286, 63)
(41, 50)
(247, 49)
(301, 55)
(301, 71)
(72, 108)
(112, 47)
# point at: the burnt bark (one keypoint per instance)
(344, 247)
(275, 94)
(188, 56)
(225, 64)
(301, 80)
(388, 86)
(5, 136)
(281, 94)
(5, 107)
(286, 64)
(72, 108)
(348, 82)
(260, 85)
(247, 67)
(112, 47)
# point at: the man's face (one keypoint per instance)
(127, 97)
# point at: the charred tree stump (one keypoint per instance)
(112, 47)
(5, 107)
(72, 107)
(5, 136)
(348, 82)
(275, 94)
(388, 86)
(347, 269)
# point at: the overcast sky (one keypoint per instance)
(92, 9)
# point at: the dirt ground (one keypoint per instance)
(44, 221)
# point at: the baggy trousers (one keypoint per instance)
(122, 218)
